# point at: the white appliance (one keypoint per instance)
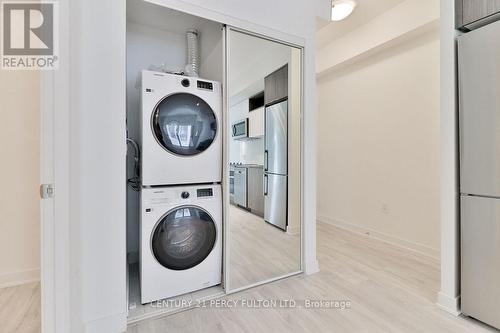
(181, 240)
(181, 130)
(240, 129)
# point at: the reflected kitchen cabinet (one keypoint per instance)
(475, 13)
(249, 188)
(276, 86)
(256, 116)
(256, 123)
(256, 190)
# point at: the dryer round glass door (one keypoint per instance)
(184, 124)
(183, 238)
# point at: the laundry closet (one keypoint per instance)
(205, 99)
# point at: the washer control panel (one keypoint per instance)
(172, 196)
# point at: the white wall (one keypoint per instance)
(97, 148)
(20, 170)
(378, 145)
(449, 297)
(378, 140)
(294, 135)
(97, 119)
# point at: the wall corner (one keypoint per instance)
(450, 304)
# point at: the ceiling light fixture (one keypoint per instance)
(342, 8)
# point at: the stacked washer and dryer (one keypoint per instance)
(181, 199)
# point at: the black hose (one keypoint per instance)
(135, 182)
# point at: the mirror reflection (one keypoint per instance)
(264, 99)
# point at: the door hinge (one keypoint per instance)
(47, 191)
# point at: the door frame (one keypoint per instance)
(54, 169)
(225, 179)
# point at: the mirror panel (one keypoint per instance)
(263, 219)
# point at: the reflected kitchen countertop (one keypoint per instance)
(248, 166)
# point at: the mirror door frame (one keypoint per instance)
(225, 159)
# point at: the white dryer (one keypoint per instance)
(181, 240)
(181, 130)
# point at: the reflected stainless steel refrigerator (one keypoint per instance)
(479, 77)
(276, 165)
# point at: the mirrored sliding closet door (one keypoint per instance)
(264, 104)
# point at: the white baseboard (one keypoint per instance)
(312, 267)
(112, 324)
(293, 230)
(13, 279)
(449, 304)
(408, 245)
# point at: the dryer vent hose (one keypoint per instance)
(193, 53)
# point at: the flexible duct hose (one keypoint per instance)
(193, 54)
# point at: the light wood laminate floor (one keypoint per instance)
(258, 251)
(20, 309)
(391, 290)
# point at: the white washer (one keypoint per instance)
(181, 240)
(181, 130)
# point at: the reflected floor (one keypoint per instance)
(259, 251)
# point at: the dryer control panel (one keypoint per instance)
(205, 192)
(205, 85)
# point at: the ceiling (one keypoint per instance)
(365, 11)
(160, 17)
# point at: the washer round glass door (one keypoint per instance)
(184, 124)
(183, 238)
